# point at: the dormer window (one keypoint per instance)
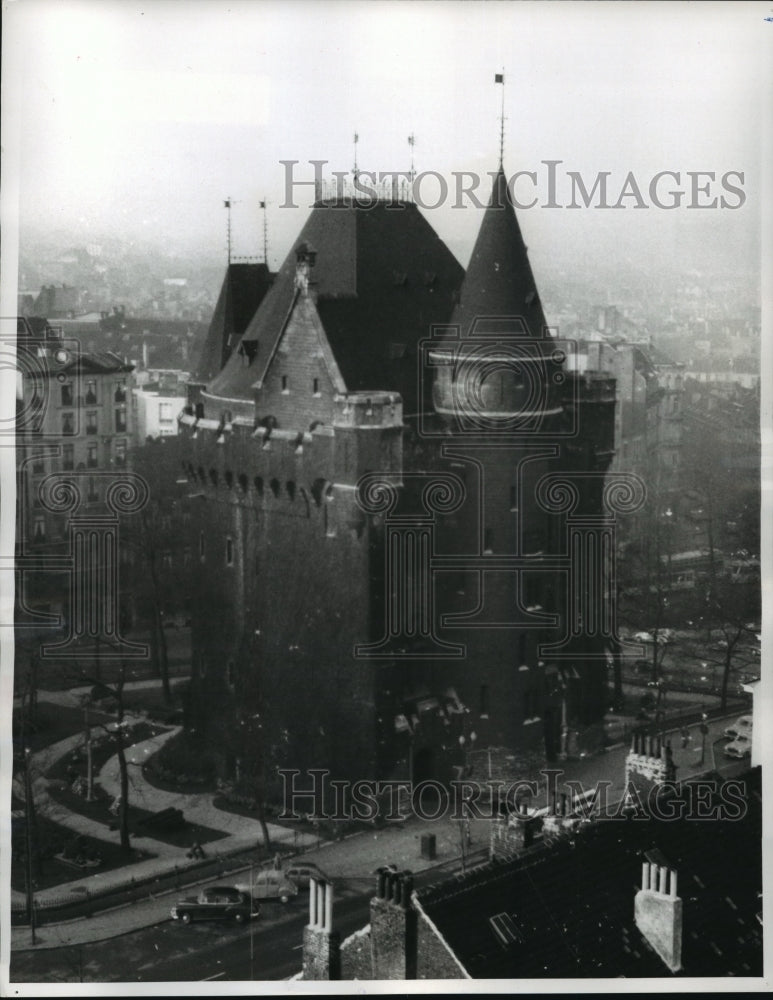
(305, 259)
(248, 349)
(285, 384)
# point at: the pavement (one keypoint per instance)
(352, 859)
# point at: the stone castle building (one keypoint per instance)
(402, 524)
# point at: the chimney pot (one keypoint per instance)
(645, 875)
(662, 887)
(328, 893)
(673, 884)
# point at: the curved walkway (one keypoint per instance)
(241, 833)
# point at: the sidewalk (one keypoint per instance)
(353, 859)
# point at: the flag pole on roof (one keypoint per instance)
(500, 78)
(227, 205)
(265, 232)
(412, 143)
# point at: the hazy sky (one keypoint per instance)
(139, 119)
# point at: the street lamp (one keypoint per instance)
(704, 730)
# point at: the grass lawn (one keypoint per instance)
(61, 675)
(54, 723)
(99, 810)
(103, 747)
(52, 839)
(67, 768)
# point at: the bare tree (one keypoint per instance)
(115, 692)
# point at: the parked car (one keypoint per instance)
(271, 883)
(740, 747)
(302, 874)
(216, 902)
(741, 727)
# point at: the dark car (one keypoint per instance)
(302, 874)
(217, 902)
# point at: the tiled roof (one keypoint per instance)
(243, 289)
(382, 278)
(568, 910)
(499, 280)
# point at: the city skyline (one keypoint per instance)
(157, 117)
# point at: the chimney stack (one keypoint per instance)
(658, 913)
(321, 944)
(514, 833)
(393, 927)
(649, 762)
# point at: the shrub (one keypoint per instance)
(181, 761)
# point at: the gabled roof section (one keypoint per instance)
(382, 277)
(499, 280)
(242, 291)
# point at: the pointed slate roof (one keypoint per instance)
(382, 278)
(243, 289)
(499, 280)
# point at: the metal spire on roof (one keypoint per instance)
(227, 204)
(500, 78)
(356, 140)
(412, 143)
(265, 232)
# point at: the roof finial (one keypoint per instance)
(265, 233)
(500, 78)
(227, 204)
(412, 143)
(356, 140)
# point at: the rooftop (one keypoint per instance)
(568, 911)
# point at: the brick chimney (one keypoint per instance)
(513, 833)
(649, 762)
(658, 913)
(321, 944)
(393, 927)
(562, 820)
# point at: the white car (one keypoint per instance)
(741, 727)
(740, 747)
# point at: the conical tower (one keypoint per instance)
(499, 287)
(496, 367)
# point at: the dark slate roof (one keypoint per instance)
(499, 280)
(382, 277)
(572, 905)
(98, 363)
(244, 287)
